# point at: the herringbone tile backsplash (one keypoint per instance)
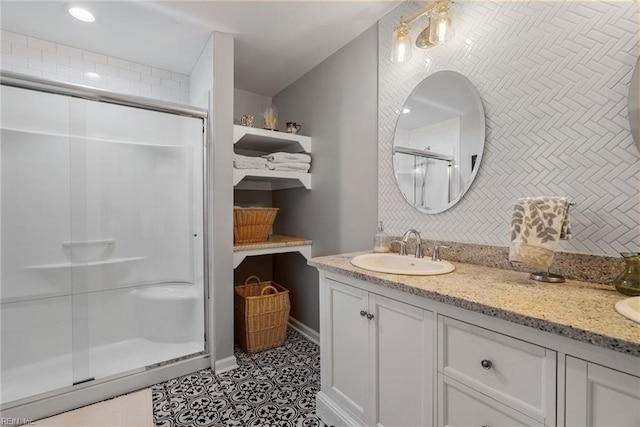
(554, 79)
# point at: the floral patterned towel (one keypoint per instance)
(537, 225)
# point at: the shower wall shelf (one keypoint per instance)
(85, 264)
(254, 141)
(275, 245)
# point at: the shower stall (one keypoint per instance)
(102, 229)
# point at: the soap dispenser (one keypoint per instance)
(381, 240)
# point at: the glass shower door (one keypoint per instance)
(35, 275)
(137, 230)
(101, 251)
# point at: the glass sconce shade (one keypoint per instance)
(401, 45)
(422, 41)
(441, 25)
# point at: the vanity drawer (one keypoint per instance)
(517, 373)
(462, 406)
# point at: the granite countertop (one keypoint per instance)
(579, 310)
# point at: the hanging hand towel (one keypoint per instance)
(291, 167)
(247, 162)
(537, 225)
(288, 158)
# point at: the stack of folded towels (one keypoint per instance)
(291, 162)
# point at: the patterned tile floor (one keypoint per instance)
(275, 387)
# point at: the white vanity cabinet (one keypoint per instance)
(377, 359)
(391, 358)
(599, 396)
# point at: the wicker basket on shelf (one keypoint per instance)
(252, 225)
(261, 315)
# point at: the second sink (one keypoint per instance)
(396, 264)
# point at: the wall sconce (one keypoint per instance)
(439, 29)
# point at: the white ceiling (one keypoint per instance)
(276, 42)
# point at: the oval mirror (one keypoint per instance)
(438, 143)
(634, 111)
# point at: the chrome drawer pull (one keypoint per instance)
(363, 313)
(486, 364)
(369, 316)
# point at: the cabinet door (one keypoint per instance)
(344, 377)
(599, 396)
(401, 364)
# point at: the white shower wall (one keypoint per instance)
(97, 200)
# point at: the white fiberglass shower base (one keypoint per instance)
(45, 375)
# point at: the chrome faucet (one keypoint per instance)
(405, 238)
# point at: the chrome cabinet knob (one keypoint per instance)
(486, 364)
(369, 316)
(363, 313)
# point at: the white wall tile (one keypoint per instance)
(140, 68)
(11, 60)
(180, 77)
(107, 70)
(156, 81)
(69, 71)
(69, 51)
(43, 58)
(94, 57)
(82, 64)
(55, 58)
(26, 52)
(41, 44)
(37, 64)
(555, 104)
(13, 38)
(133, 76)
(117, 62)
(164, 74)
(172, 84)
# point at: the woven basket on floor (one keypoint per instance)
(252, 225)
(261, 315)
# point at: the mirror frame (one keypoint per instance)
(474, 97)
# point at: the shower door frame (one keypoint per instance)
(74, 396)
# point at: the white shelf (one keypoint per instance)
(268, 180)
(269, 141)
(275, 245)
(106, 262)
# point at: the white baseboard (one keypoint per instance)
(306, 331)
(332, 414)
(226, 364)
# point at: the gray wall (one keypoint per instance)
(336, 104)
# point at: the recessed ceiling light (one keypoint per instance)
(81, 14)
(406, 110)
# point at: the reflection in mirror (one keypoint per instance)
(438, 142)
(634, 111)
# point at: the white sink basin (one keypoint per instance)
(629, 308)
(396, 264)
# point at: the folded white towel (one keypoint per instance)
(292, 167)
(288, 157)
(247, 162)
